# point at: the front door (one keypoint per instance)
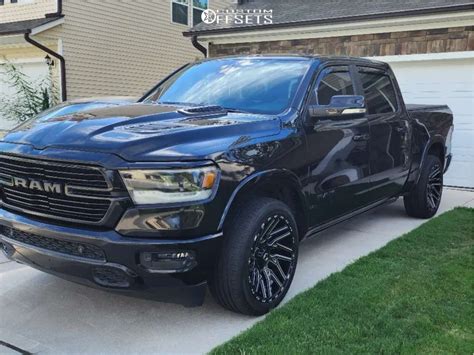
(337, 152)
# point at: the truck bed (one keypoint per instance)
(437, 119)
(419, 107)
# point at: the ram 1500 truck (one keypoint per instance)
(217, 174)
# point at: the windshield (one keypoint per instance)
(256, 85)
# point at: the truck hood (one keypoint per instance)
(145, 132)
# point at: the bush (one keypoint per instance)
(30, 98)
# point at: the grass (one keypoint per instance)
(415, 295)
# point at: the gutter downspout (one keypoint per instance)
(199, 46)
(56, 55)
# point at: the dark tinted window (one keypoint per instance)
(336, 83)
(197, 16)
(198, 7)
(180, 11)
(379, 94)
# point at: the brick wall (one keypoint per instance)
(410, 42)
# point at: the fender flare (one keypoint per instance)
(437, 138)
(254, 179)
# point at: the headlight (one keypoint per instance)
(170, 186)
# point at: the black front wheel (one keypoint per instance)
(259, 257)
(424, 200)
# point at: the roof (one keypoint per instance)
(298, 56)
(21, 27)
(303, 12)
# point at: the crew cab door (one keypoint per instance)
(337, 150)
(388, 123)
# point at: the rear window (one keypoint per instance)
(379, 93)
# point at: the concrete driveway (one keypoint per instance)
(41, 313)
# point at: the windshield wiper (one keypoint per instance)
(175, 103)
(236, 110)
(228, 109)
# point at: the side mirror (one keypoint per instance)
(340, 106)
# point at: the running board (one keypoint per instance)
(317, 229)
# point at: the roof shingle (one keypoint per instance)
(304, 12)
(20, 27)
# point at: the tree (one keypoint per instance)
(30, 98)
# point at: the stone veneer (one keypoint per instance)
(453, 39)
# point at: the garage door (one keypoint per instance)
(451, 82)
(35, 71)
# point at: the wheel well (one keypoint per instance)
(437, 149)
(279, 190)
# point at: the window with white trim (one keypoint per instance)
(198, 7)
(179, 11)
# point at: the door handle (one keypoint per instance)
(361, 137)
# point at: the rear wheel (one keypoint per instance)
(424, 200)
(259, 257)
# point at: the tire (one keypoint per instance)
(423, 201)
(258, 258)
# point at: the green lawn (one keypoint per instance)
(415, 295)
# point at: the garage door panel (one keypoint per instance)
(450, 82)
(461, 176)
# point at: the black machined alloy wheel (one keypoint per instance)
(434, 187)
(258, 257)
(272, 258)
(424, 200)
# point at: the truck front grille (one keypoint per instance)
(58, 190)
(60, 246)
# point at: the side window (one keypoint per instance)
(379, 93)
(179, 11)
(334, 83)
(198, 7)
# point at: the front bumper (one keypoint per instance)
(118, 267)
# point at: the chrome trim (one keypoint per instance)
(351, 111)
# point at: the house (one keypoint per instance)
(428, 43)
(98, 48)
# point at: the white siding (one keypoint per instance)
(26, 10)
(120, 48)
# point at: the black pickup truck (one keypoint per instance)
(217, 174)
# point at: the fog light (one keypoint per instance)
(168, 261)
